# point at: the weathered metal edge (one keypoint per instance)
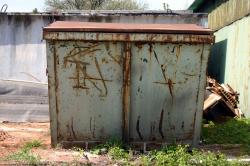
(201, 95)
(133, 37)
(52, 85)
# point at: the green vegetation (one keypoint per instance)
(118, 153)
(110, 145)
(33, 144)
(25, 155)
(234, 131)
(179, 155)
(95, 5)
(169, 155)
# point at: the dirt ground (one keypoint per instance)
(14, 135)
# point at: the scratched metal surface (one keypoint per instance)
(165, 81)
(89, 90)
(140, 91)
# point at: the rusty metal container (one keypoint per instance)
(143, 83)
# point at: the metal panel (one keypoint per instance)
(138, 90)
(129, 37)
(165, 87)
(69, 26)
(89, 92)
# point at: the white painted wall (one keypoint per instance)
(22, 50)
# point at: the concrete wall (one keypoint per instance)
(22, 49)
(230, 59)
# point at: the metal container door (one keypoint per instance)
(165, 82)
(89, 90)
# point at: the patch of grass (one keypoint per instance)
(80, 150)
(234, 131)
(118, 153)
(25, 155)
(179, 155)
(33, 144)
(176, 155)
(110, 144)
(115, 149)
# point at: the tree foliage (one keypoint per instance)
(95, 5)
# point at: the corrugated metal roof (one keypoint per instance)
(67, 26)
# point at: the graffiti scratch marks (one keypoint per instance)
(167, 81)
(118, 61)
(103, 81)
(84, 58)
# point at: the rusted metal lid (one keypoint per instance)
(68, 26)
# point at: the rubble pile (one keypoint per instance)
(3, 135)
(221, 101)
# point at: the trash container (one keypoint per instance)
(142, 83)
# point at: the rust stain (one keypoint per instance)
(139, 45)
(111, 56)
(56, 63)
(103, 81)
(178, 51)
(188, 136)
(126, 90)
(160, 124)
(69, 26)
(161, 38)
(77, 56)
(191, 75)
(138, 128)
(168, 81)
(81, 53)
(127, 37)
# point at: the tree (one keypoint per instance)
(94, 5)
(35, 11)
(124, 5)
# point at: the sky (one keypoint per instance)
(29, 5)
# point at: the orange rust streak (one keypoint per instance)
(168, 81)
(126, 91)
(178, 51)
(100, 73)
(110, 55)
